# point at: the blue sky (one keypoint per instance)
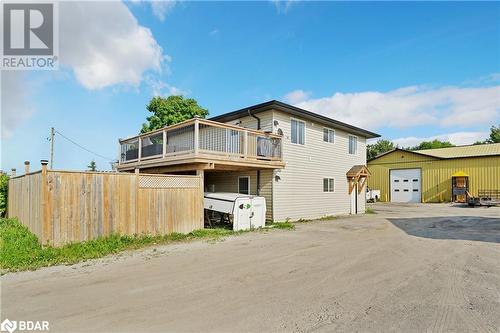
(409, 71)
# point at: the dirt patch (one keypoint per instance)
(365, 273)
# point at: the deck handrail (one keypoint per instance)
(188, 139)
(191, 121)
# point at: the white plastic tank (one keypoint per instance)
(248, 211)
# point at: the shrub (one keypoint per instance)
(4, 185)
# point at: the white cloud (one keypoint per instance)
(105, 45)
(297, 96)
(15, 102)
(214, 32)
(282, 6)
(161, 88)
(162, 8)
(457, 138)
(411, 106)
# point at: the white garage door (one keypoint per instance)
(406, 185)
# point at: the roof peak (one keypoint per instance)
(459, 146)
(487, 149)
(281, 106)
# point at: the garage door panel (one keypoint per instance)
(405, 185)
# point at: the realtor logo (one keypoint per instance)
(9, 326)
(29, 35)
(23, 325)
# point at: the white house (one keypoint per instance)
(304, 164)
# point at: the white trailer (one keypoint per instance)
(247, 211)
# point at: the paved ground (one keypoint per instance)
(409, 268)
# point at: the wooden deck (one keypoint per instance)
(199, 144)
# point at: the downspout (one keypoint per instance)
(254, 116)
(258, 171)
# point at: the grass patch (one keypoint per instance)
(328, 217)
(282, 225)
(370, 211)
(20, 249)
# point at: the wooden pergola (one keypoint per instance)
(357, 175)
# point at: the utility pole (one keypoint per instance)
(52, 132)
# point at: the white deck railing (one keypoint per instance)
(202, 137)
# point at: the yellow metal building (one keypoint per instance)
(426, 175)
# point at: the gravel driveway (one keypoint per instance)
(409, 268)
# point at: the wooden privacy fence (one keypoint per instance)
(62, 206)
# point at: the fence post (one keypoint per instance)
(196, 135)
(201, 173)
(45, 208)
(13, 172)
(26, 167)
(136, 224)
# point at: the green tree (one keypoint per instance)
(92, 166)
(381, 146)
(4, 185)
(494, 135)
(434, 144)
(171, 110)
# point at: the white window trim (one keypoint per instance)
(334, 135)
(334, 183)
(305, 130)
(357, 144)
(249, 189)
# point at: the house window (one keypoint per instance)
(328, 135)
(353, 144)
(298, 134)
(244, 185)
(328, 185)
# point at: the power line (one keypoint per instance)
(86, 149)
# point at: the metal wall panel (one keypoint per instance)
(484, 173)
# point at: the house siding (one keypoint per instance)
(266, 121)
(299, 192)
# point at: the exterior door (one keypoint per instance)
(354, 200)
(406, 185)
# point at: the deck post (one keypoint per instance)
(164, 152)
(245, 144)
(196, 135)
(139, 152)
(120, 151)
